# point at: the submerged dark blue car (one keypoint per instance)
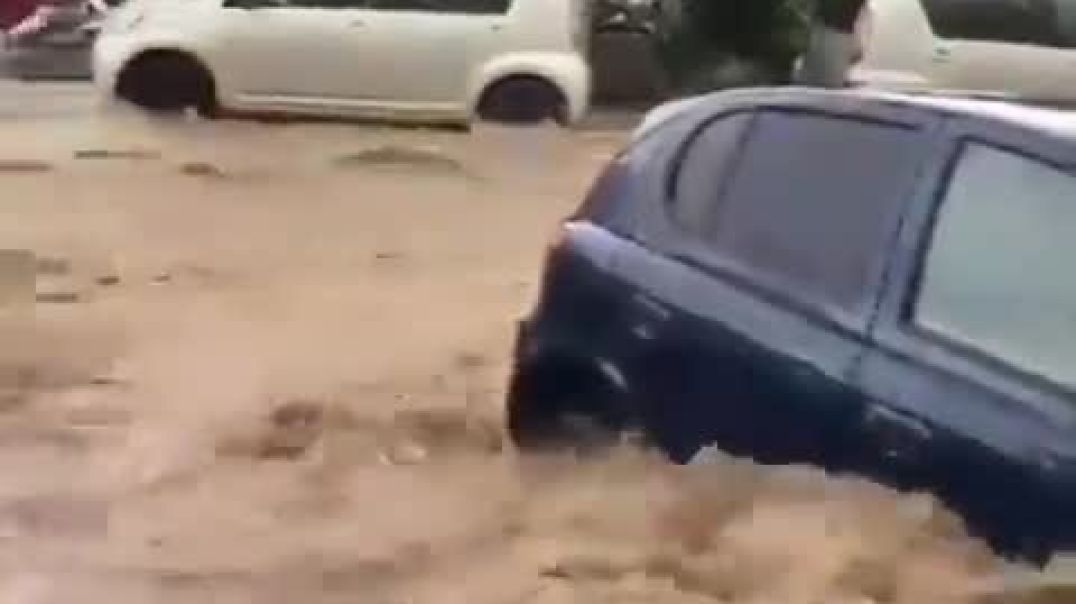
(876, 284)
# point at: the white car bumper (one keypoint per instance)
(574, 76)
(109, 54)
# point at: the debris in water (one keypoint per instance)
(136, 154)
(203, 169)
(396, 156)
(53, 266)
(118, 373)
(404, 454)
(294, 427)
(58, 297)
(24, 166)
(289, 432)
(471, 360)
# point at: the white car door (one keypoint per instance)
(295, 53)
(1013, 47)
(427, 49)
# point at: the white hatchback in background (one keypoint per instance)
(1021, 49)
(447, 61)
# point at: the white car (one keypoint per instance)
(1022, 49)
(440, 61)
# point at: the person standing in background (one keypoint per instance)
(833, 44)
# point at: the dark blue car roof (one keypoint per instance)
(1056, 123)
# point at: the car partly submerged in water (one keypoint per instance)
(873, 283)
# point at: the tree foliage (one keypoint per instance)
(768, 33)
(719, 43)
(758, 28)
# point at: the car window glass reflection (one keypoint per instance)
(996, 274)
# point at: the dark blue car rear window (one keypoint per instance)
(705, 167)
(812, 205)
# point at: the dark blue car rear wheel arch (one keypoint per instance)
(561, 402)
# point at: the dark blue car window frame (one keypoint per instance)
(680, 155)
(894, 329)
(676, 164)
(908, 308)
(694, 251)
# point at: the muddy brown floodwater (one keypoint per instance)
(272, 371)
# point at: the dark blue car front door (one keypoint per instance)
(971, 382)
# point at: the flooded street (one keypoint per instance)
(272, 371)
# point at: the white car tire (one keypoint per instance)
(168, 81)
(523, 100)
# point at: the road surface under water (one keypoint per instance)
(274, 370)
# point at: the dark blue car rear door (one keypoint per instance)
(771, 249)
(971, 381)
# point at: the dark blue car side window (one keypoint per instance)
(994, 278)
(812, 206)
(703, 170)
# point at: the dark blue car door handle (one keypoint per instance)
(649, 309)
(647, 316)
(898, 435)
